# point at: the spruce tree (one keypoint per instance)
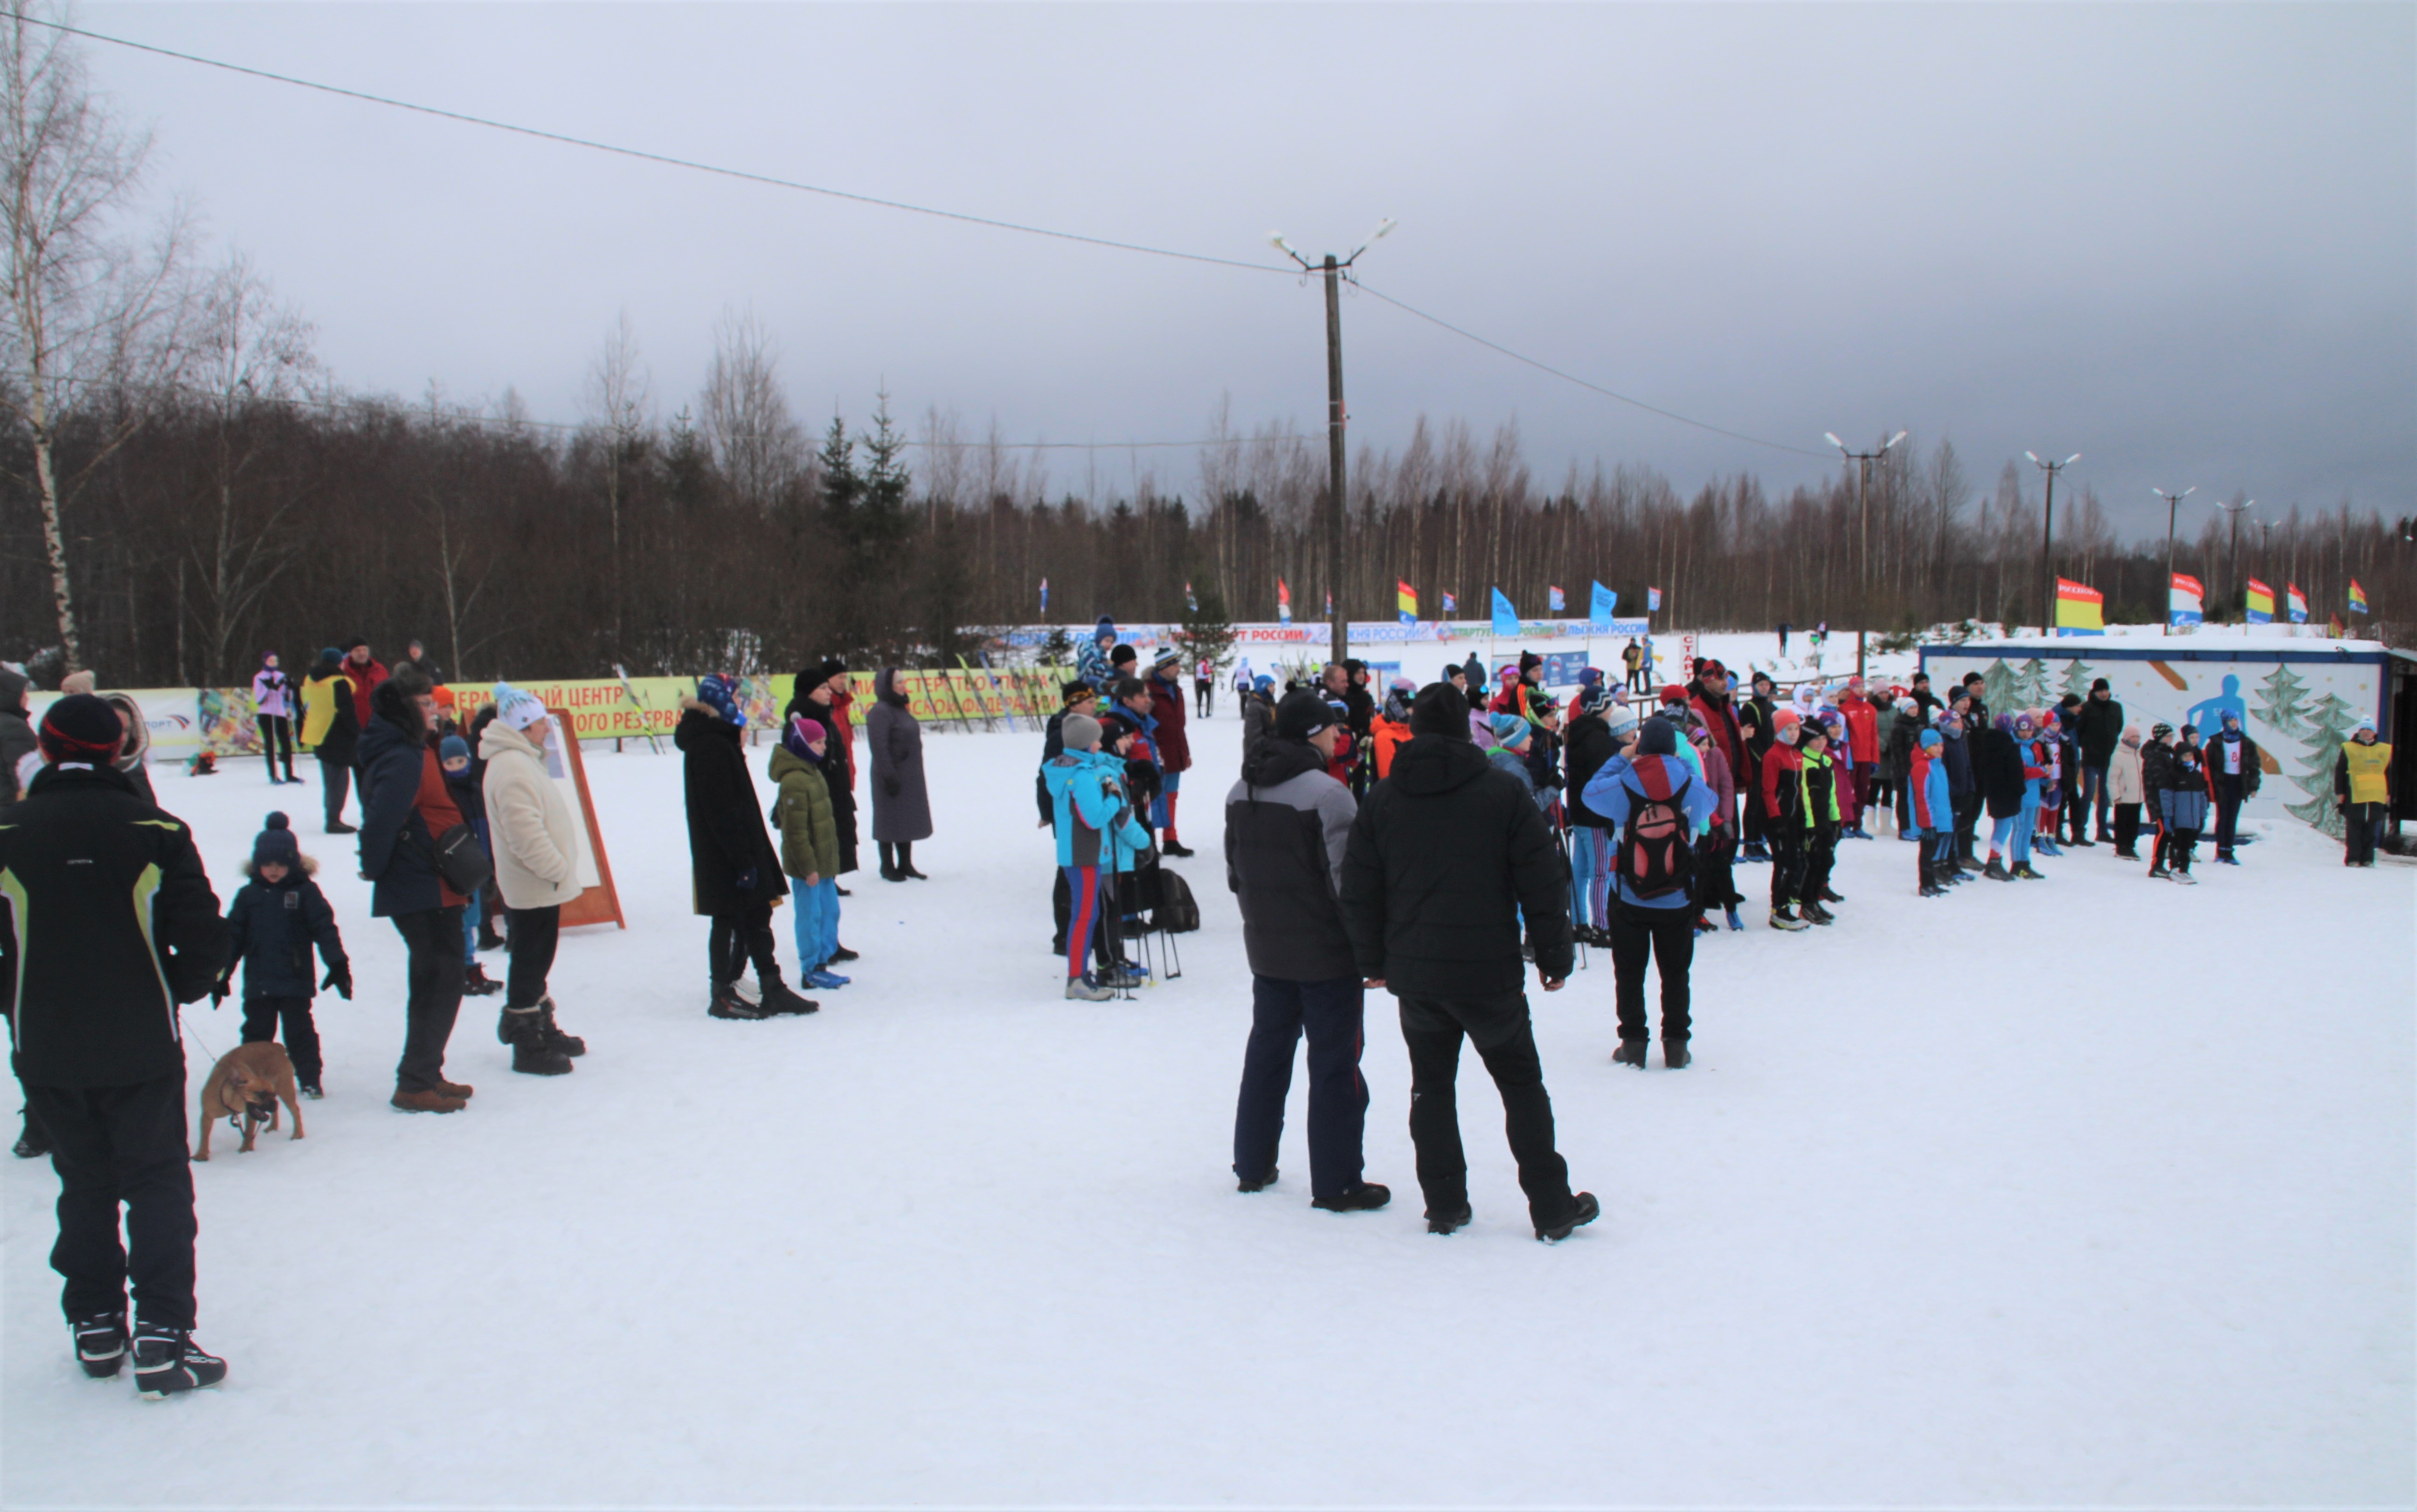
(1207, 634)
(2332, 722)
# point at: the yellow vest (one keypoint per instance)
(2366, 765)
(319, 707)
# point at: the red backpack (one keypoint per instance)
(1656, 855)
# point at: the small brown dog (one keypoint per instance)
(249, 1083)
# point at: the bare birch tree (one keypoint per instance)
(86, 309)
(620, 400)
(746, 412)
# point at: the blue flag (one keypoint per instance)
(1599, 612)
(1506, 619)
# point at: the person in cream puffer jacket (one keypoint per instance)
(536, 839)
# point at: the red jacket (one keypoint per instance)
(1167, 705)
(1782, 763)
(1720, 717)
(1862, 729)
(365, 681)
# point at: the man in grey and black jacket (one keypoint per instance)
(1447, 854)
(1287, 823)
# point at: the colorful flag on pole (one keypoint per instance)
(2297, 602)
(1506, 619)
(1652, 599)
(1284, 603)
(1188, 599)
(2080, 609)
(2259, 603)
(1449, 603)
(2357, 598)
(1044, 595)
(1405, 602)
(1599, 610)
(1330, 603)
(1553, 601)
(2184, 603)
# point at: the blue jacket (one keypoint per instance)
(1933, 807)
(1095, 822)
(275, 925)
(1956, 756)
(2183, 804)
(1625, 785)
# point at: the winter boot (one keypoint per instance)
(1365, 1198)
(1704, 924)
(524, 1030)
(476, 983)
(1631, 1052)
(99, 1343)
(167, 1361)
(1085, 989)
(311, 1090)
(1673, 1054)
(1756, 852)
(1829, 895)
(1583, 1210)
(31, 1142)
(1735, 922)
(727, 1003)
(775, 996)
(1997, 872)
(1171, 846)
(2047, 846)
(842, 955)
(1259, 1183)
(570, 1045)
(430, 1101)
(1452, 1222)
(1816, 913)
(1931, 889)
(1784, 918)
(2184, 878)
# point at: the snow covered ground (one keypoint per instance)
(2097, 1190)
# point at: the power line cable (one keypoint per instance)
(1571, 377)
(643, 155)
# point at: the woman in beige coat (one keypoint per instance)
(536, 839)
(2124, 790)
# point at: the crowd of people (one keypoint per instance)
(1435, 841)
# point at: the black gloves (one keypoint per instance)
(217, 992)
(340, 979)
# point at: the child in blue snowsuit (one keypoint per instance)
(1096, 838)
(1933, 813)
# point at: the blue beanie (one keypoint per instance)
(1932, 737)
(719, 692)
(276, 845)
(452, 746)
(1657, 738)
(1509, 728)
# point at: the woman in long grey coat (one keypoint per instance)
(902, 808)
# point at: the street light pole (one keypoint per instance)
(2048, 544)
(1334, 270)
(2232, 550)
(1862, 460)
(2173, 502)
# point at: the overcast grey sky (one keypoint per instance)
(2179, 239)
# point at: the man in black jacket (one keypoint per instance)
(734, 872)
(1447, 853)
(110, 924)
(1286, 822)
(2101, 731)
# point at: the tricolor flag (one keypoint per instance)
(1194, 603)
(2259, 602)
(2184, 604)
(2297, 602)
(1330, 603)
(2080, 609)
(1652, 599)
(1406, 601)
(1044, 595)
(1553, 601)
(2357, 598)
(1284, 603)
(1449, 603)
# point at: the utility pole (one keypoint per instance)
(1334, 270)
(2232, 550)
(2173, 502)
(1864, 460)
(2048, 544)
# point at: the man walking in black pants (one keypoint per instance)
(1447, 853)
(1286, 822)
(110, 923)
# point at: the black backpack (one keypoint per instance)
(1176, 914)
(1657, 856)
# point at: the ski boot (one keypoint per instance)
(166, 1361)
(1784, 918)
(100, 1343)
(1088, 989)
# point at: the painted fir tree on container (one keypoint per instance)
(2009, 691)
(2331, 724)
(2077, 677)
(2279, 695)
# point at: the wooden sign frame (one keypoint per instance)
(601, 904)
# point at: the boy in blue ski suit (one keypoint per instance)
(1096, 838)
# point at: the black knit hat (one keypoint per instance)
(276, 844)
(2102, 685)
(1528, 661)
(1441, 709)
(81, 727)
(1303, 714)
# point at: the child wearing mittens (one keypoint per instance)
(276, 919)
